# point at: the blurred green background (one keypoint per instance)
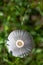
(25, 15)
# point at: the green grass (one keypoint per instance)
(25, 15)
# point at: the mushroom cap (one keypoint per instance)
(20, 43)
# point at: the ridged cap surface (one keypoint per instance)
(19, 38)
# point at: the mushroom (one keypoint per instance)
(20, 43)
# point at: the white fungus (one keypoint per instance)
(20, 43)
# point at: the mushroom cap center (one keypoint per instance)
(19, 43)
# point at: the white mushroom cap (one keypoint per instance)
(20, 43)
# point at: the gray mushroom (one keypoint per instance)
(20, 43)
